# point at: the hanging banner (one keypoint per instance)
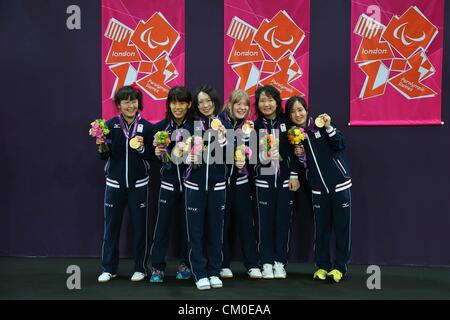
(266, 43)
(142, 42)
(396, 67)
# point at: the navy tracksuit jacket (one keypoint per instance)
(273, 197)
(126, 185)
(330, 181)
(205, 194)
(170, 203)
(239, 208)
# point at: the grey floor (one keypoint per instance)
(45, 278)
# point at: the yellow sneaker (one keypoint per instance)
(320, 274)
(336, 275)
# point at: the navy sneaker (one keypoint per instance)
(183, 272)
(157, 276)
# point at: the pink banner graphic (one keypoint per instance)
(266, 43)
(396, 68)
(142, 42)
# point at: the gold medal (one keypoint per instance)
(215, 124)
(247, 127)
(134, 143)
(319, 122)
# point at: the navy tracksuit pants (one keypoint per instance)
(332, 210)
(239, 217)
(116, 199)
(170, 206)
(205, 211)
(274, 204)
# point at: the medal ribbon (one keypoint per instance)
(124, 127)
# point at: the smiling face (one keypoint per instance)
(205, 105)
(179, 110)
(129, 108)
(267, 105)
(240, 109)
(298, 114)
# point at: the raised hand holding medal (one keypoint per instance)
(248, 127)
(323, 120)
(136, 142)
(319, 122)
(217, 125)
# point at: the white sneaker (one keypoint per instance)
(215, 282)
(279, 271)
(255, 273)
(138, 276)
(203, 284)
(226, 273)
(267, 272)
(106, 276)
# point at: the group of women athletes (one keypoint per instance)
(234, 174)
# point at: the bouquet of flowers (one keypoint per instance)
(242, 153)
(296, 135)
(179, 150)
(192, 146)
(196, 146)
(268, 142)
(99, 130)
(162, 139)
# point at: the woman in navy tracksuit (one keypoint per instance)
(205, 193)
(276, 177)
(126, 182)
(330, 181)
(171, 202)
(239, 202)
